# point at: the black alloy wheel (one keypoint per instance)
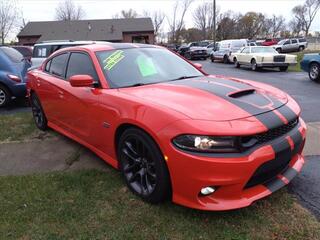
(5, 96)
(38, 113)
(314, 72)
(143, 166)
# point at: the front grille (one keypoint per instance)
(276, 132)
(271, 169)
(279, 58)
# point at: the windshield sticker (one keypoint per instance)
(113, 60)
(146, 66)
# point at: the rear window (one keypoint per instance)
(26, 52)
(302, 40)
(12, 54)
(42, 51)
(294, 41)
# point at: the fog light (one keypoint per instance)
(207, 191)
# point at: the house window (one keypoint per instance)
(140, 39)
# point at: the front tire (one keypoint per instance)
(188, 56)
(314, 72)
(212, 58)
(143, 166)
(254, 66)
(278, 50)
(301, 48)
(5, 96)
(39, 116)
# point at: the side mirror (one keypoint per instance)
(81, 81)
(198, 66)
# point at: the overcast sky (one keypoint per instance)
(44, 10)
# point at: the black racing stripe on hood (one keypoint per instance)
(285, 111)
(268, 118)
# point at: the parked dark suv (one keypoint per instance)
(13, 69)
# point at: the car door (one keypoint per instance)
(294, 45)
(286, 46)
(243, 55)
(79, 103)
(48, 87)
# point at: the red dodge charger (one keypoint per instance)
(207, 142)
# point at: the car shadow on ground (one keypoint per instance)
(16, 106)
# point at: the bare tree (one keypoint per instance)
(251, 25)
(203, 18)
(9, 16)
(305, 14)
(275, 25)
(126, 14)
(67, 11)
(176, 23)
(157, 18)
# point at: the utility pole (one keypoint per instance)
(214, 23)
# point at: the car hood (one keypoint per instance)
(210, 98)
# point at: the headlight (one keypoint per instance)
(207, 143)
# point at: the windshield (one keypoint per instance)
(263, 50)
(139, 66)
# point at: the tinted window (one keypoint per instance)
(302, 40)
(26, 52)
(294, 41)
(287, 42)
(127, 67)
(80, 64)
(58, 65)
(12, 54)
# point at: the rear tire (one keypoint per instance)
(314, 72)
(39, 116)
(283, 69)
(143, 166)
(236, 63)
(5, 96)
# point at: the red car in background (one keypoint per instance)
(206, 142)
(270, 42)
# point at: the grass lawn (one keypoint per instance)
(97, 205)
(19, 127)
(300, 55)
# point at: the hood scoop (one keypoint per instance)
(242, 93)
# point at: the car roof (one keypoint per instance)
(49, 43)
(109, 46)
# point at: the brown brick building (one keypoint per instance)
(113, 30)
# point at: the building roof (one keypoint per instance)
(103, 29)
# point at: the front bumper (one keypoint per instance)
(230, 173)
(275, 64)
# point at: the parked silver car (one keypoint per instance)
(291, 45)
